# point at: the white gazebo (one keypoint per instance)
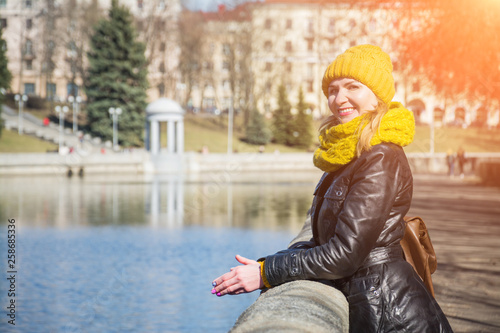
(169, 111)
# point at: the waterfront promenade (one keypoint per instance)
(463, 220)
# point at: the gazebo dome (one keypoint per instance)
(165, 106)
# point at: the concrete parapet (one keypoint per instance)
(298, 306)
(189, 162)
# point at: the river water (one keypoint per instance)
(138, 253)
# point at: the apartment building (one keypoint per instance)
(47, 41)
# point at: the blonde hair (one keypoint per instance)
(367, 128)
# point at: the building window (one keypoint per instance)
(331, 25)
(51, 91)
(3, 3)
(28, 3)
(29, 64)
(269, 67)
(72, 89)
(288, 67)
(162, 67)
(416, 86)
(268, 24)
(288, 24)
(310, 86)
(160, 25)
(163, 47)
(29, 24)
(395, 66)
(268, 46)
(29, 88)
(310, 45)
(140, 4)
(226, 49)
(288, 46)
(161, 5)
(332, 45)
(28, 48)
(3, 23)
(310, 25)
(225, 65)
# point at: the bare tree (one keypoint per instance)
(78, 18)
(50, 37)
(158, 28)
(192, 48)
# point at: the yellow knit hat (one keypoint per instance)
(367, 64)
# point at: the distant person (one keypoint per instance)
(46, 121)
(357, 212)
(461, 159)
(450, 161)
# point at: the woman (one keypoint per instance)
(358, 209)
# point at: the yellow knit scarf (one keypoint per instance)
(338, 143)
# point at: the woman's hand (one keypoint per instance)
(240, 279)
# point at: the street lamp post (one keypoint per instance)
(61, 111)
(20, 100)
(115, 112)
(76, 108)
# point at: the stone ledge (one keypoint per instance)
(298, 306)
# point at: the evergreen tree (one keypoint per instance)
(282, 118)
(5, 75)
(257, 132)
(302, 128)
(117, 78)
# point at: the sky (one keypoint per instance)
(205, 5)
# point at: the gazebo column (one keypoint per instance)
(171, 137)
(155, 137)
(180, 136)
(147, 139)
